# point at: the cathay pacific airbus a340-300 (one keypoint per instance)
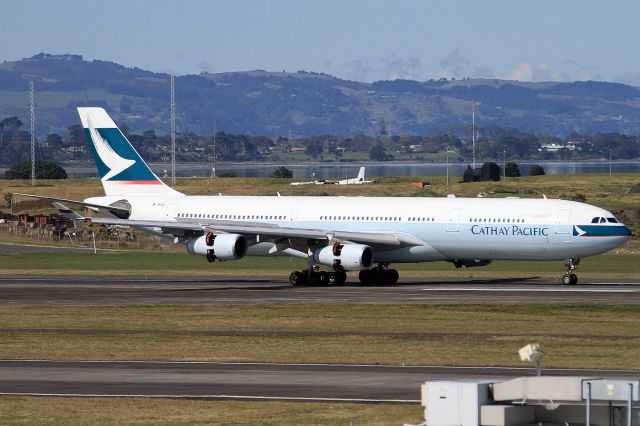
(340, 233)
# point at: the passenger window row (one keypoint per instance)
(495, 220)
(231, 216)
(379, 218)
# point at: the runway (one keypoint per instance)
(207, 380)
(113, 290)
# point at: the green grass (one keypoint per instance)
(118, 411)
(572, 336)
(609, 266)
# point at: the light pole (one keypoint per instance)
(609, 162)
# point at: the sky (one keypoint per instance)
(542, 40)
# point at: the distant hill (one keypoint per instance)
(308, 104)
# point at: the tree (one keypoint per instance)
(383, 129)
(313, 150)
(8, 199)
(76, 139)
(12, 126)
(44, 170)
(282, 172)
(54, 141)
(536, 170)
(378, 153)
(511, 169)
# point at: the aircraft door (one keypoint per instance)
(453, 224)
(293, 215)
(562, 223)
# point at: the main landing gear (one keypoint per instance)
(298, 278)
(569, 277)
(379, 275)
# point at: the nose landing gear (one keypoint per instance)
(569, 277)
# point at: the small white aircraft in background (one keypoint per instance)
(359, 180)
(353, 181)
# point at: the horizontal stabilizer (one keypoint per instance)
(66, 211)
(81, 203)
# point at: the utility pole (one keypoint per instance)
(213, 167)
(32, 104)
(173, 131)
(504, 163)
(473, 131)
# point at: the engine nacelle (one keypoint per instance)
(470, 263)
(218, 246)
(347, 257)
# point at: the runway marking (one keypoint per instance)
(537, 290)
(245, 397)
(59, 361)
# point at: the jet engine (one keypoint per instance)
(345, 257)
(470, 263)
(218, 246)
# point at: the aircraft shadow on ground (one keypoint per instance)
(492, 281)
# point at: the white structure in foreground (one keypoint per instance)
(547, 400)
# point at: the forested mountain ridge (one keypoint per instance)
(309, 104)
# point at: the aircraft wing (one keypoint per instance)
(265, 231)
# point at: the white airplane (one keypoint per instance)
(313, 182)
(359, 180)
(341, 233)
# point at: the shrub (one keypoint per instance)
(44, 170)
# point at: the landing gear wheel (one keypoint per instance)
(365, 276)
(391, 276)
(566, 279)
(313, 278)
(323, 277)
(297, 278)
(337, 277)
(574, 279)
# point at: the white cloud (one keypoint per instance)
(408, 68)
(358, 70)
(540, 72)
(454, 64)
(521, 72)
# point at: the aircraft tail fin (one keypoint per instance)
(121, 169)
(361, 174)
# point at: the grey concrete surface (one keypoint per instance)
(206, 380)
(112, 290)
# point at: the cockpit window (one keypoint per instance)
(595, 220)
(603, 220)
(612, 220)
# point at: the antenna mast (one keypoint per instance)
(32, 104)
(473, 131)
(173, 130)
